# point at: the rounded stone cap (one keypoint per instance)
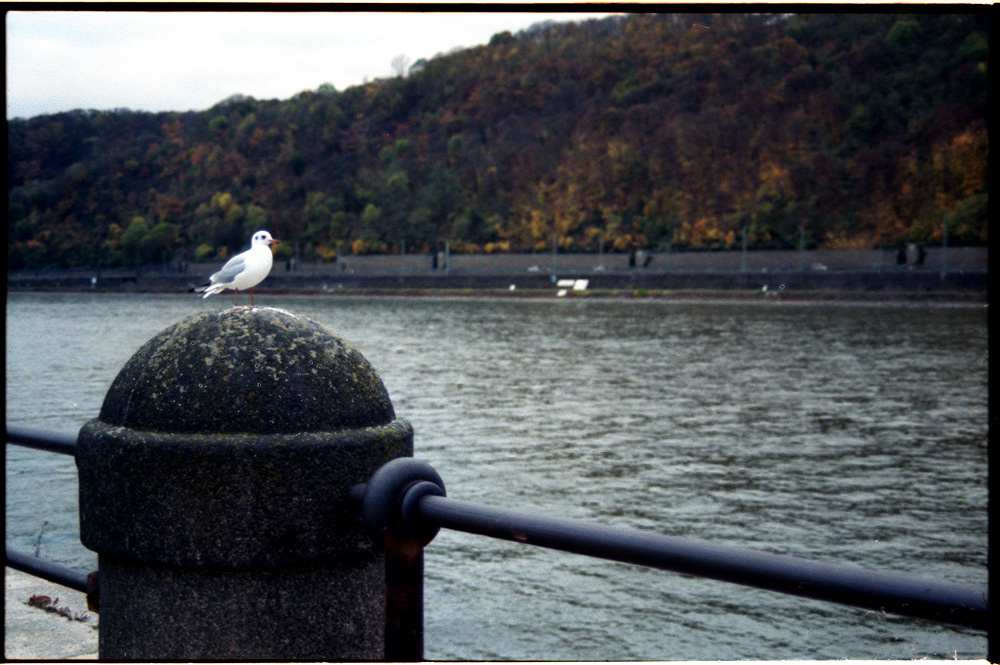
(232, 439)
(246, 370)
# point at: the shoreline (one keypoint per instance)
(736, 296)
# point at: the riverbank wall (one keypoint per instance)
(953, 270)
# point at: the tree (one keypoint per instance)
(133, 240)
(160, 241)
(400, 64)
(646, 129)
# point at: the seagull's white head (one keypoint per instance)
(262, 238)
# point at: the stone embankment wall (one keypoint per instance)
(952, 269)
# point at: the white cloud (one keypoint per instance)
(58, 61)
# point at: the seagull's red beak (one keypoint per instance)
(273, 241)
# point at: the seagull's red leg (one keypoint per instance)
(236, 296)
(251, 296)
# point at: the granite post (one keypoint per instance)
(215, 484)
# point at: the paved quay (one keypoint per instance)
(31, 633)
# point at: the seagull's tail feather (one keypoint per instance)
(209, 289)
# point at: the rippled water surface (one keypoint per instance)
(851, 434)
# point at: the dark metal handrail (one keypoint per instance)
(964, 605)
(53, 442)
(404, 505)
(47, 570)
(62, 444)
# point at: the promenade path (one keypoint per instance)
(31, 633)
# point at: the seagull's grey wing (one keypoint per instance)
(233, 267)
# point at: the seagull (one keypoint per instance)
(243, 271)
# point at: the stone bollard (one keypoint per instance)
(214, 487)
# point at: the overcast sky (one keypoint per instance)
(173, 61)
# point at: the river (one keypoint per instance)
(853, 434)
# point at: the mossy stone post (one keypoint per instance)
(215, 484)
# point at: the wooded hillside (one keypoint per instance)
(639, 131)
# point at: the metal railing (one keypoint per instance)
(86, 583)
(404, 505)
(53, 442)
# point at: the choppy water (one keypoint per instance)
(852, 434)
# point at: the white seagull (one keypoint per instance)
(243, 271)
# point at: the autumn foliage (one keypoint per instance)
(644, 131)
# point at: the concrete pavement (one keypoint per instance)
(31, 633)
